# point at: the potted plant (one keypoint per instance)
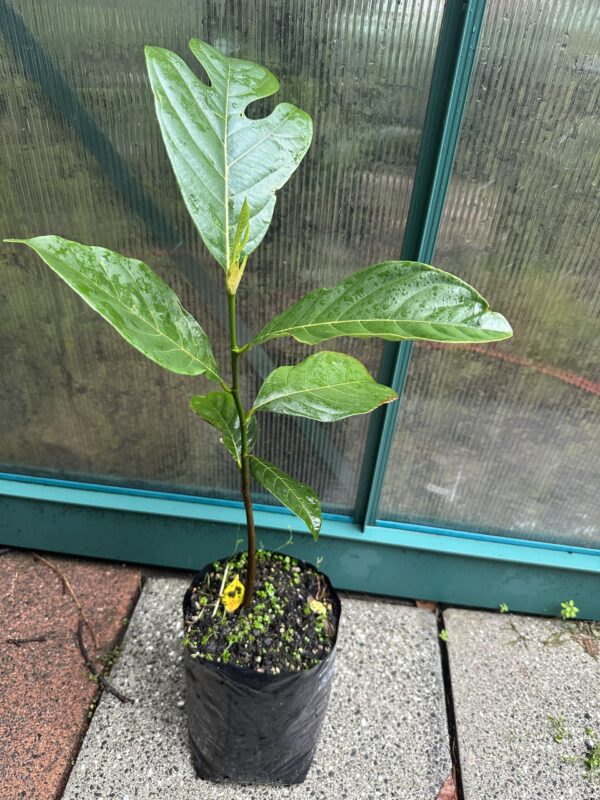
(260, 627)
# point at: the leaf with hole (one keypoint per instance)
(298, 497)
(128, 294)
(221, 157)
(394, 300)
(325, 386)
(218, 409)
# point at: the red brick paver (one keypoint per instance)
(45, 691)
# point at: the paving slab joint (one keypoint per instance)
(450, 713)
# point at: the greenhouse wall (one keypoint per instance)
(475, 119)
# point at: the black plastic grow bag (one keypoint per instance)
(254, 727)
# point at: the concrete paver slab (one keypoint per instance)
(44, 687)
(385, 735)
(509, 675)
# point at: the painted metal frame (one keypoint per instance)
(451, 78)
(361, 553)
(168, 530)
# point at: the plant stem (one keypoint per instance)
(245, 462)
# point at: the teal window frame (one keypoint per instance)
(387, 558)
(362, 552)
(451, 77)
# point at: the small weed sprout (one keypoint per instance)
(503, 608)
(443, 634)
(591, 760)
(568, 610)
(289, 541)
(558, 727)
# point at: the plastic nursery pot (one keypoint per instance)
(253, 727)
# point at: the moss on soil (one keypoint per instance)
(278, 632)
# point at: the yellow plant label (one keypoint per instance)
(233, 594)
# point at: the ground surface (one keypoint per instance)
(45, 691)
(519, 684)
(522, 694)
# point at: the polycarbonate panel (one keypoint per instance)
(82, 157)
(506, 438)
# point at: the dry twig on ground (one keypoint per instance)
(70, 590)
(95, 671)
(19, 642)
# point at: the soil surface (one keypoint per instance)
(290, 625)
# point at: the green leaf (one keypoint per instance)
(298, 497)
(220, 157)
(129, 295)
(326, 386)
(218, 408)
(393, 300)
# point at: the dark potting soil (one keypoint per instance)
(289, 626)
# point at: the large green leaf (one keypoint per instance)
(393, 300)
(298, 497)
(218, 408)
(326, 386)
(129, 295)
(220, 157)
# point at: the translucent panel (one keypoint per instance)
(82, 157)
(506, 438)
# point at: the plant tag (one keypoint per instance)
(233, 594)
